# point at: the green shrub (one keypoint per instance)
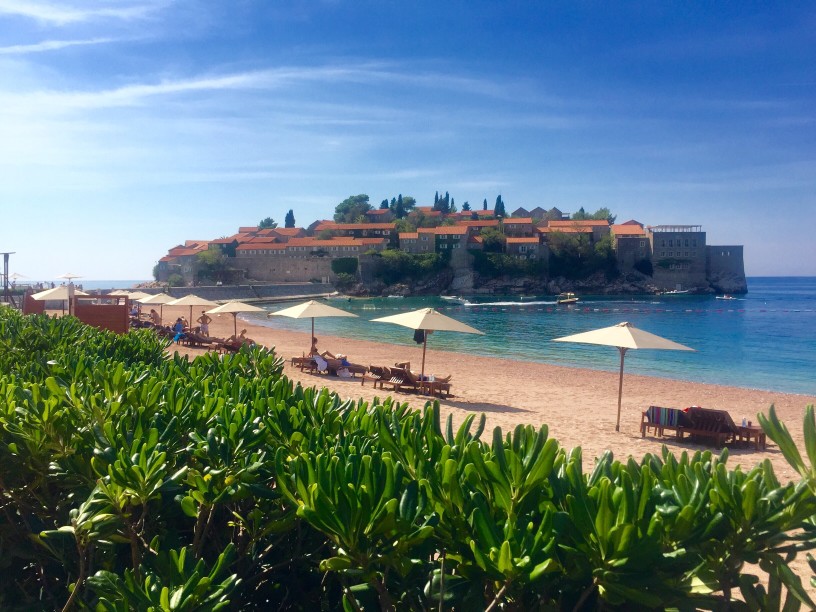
(130, 480)
(396, 266)
(493, 265)
(345, 265)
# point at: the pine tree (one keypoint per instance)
(399, 209)
(466, 206)
(289, 221)
(436, 199)
(499, 210)
(384, 204)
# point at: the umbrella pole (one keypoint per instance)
(620, 386)
(424, 345)
(235, 324)
(311, 340)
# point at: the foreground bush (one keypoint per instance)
(130, 481)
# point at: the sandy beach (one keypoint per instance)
(578, 405)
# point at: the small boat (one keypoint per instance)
(676, 292)
(725, 297)
(566, 298)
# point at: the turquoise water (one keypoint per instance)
(107, 284)
(763, 340)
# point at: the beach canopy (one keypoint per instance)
(119, 292)
(233, 308)
(57, 293)
(61, 293)
(69, 276)
(159, 298)
(192, 300)
(137, 295)
(624, 336)
(311, 310)
(15, 276)
(428, 320)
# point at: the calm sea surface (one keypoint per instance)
(763, 340)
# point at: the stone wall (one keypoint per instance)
(254, 292)
(725, 268)
(287, 268)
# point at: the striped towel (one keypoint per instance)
(663, 416)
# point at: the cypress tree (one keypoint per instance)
(289, 221)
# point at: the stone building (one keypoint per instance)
(678, 256)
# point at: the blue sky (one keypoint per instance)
(129, 126)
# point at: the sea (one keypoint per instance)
(765, 339)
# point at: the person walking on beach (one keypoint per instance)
(204, 320)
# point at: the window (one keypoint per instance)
(642, 243)
(425, 237)
(686, 243)
(662, 253)
(523, 248)
(694, 242)
(671, 242)
(686, 255)
(662, 243)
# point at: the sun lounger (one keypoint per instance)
(194, 339)
(397, 379)
(374, 374)
(698, 423)
(661, 419)
(712, 424)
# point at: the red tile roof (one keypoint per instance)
(289, 231)
(480, 223)
(579, 223)
(408, 235)
(182, 252)
(628, 230)
(379, 211)
(524, 240)
(519, 221)
(268, 246)
(565, 230)
(459, 230)
(331, 225)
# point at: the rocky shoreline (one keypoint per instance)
(448, 284)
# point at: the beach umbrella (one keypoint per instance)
(234, 308)
(624, 336)
(191, 300)
(119, 292)
(17, 276)
(57, 293)
(135, 296)
(69, 276)
(60, 293)
(311, 310)
(160, 298)
(428, 320)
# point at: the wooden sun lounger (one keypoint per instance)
(375, 374)
(705, 423)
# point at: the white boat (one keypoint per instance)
(725, 297)
(676, 292)
(566, 298)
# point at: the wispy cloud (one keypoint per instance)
(51, 45)
(63, 15)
